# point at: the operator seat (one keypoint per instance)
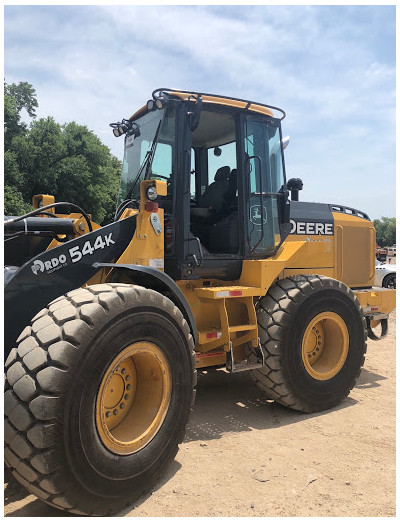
(213, 200)
(223, 235)
(232, 189)
(210, 219)
(214, 195)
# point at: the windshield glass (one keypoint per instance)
(145, 159)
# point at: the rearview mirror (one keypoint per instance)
(285, 142)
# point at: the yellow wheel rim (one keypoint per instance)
(133, 398)
(325, 346)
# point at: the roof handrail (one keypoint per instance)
(249, 103)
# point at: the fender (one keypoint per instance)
(155, 279)
(55, 272)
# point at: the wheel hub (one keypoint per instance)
(314, 344)
(133, 398)
(325, 345)
(119, 393)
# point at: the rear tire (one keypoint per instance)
(97, 398)
(313, 333)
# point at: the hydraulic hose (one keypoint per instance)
(52, 205)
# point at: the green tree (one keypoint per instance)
(16, 98)
(14, 203)
(385, 231)
(24, 96)
(68, 161)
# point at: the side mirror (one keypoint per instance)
(285, 142)
(277, 146)
(295, 185)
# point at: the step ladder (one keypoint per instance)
(226, 335)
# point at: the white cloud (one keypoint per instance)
(332, 69)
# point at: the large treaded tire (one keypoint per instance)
(283, 315)
(52, 445)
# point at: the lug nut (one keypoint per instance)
(128, 386)
(126, 396)
(127, 378)
(115, 412)
(123, 371)
(108, 414)
(122, 405)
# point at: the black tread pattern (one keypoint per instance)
(40, 369)
(274, 312)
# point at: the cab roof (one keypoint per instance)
(215, 99)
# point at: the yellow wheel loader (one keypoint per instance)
(211, 261)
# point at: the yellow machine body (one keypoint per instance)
(224, 311)
(207, 263)
(232, 318)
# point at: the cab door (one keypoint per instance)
(267, 208)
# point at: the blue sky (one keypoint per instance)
(331, 68)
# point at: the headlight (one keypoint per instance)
(151, 193)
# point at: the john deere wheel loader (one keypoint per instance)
(208, 263)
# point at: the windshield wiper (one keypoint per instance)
(146, 162)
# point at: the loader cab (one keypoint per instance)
(223, 163)
(238, 205)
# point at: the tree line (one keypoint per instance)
(385, 231)
(45, 157)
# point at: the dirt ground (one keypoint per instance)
(246, 456)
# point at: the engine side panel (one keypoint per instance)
(337, 244)
(354, 250)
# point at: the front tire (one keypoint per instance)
(98, 395)
(313, 333)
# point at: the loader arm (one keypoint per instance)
(58, 270)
